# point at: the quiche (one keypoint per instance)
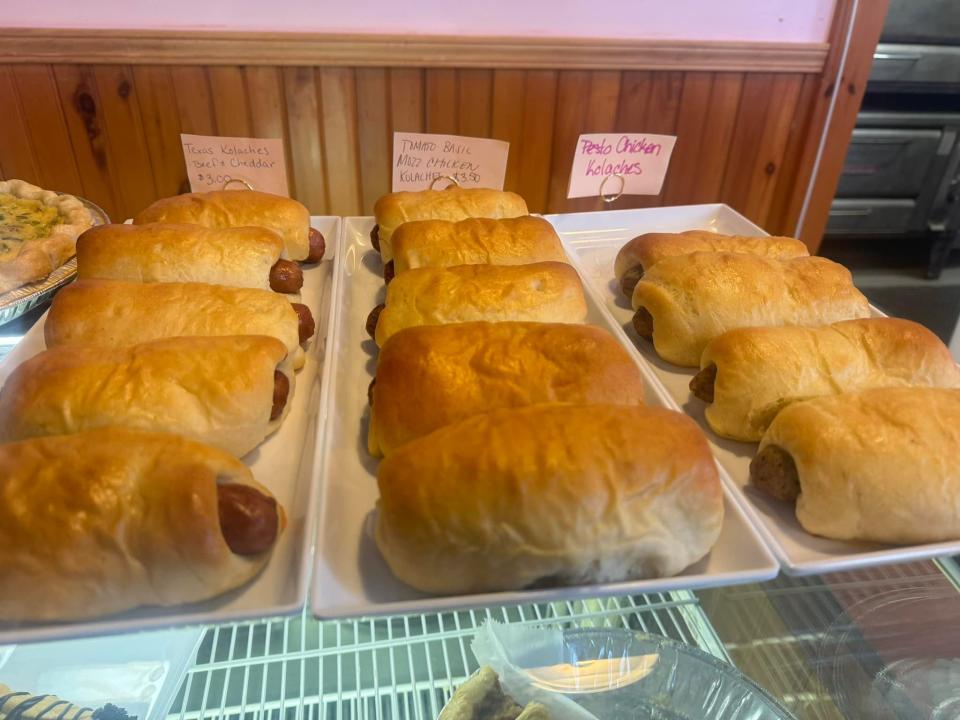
(38, 232)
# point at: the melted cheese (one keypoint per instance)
(22, 220)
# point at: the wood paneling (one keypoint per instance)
(112, 131)
(178, 47)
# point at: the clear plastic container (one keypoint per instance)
(619, 675)
(138, 672)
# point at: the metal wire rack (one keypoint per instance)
(392, 668)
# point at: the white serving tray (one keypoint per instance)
(350, 577)
(594, 239)
(286, 463)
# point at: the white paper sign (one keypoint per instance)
(420, 158)
(640, 160)
(215, 163)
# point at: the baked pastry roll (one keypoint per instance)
(116, 313)
(477, 241)
(645, 251)
(228, 392)
(565, 493)
(750, 374)
(238, 257)
(109, 520)
(452, 203)
(880, 465)
(243, 208)
(684, 302)
(436, 375)
(540, 292)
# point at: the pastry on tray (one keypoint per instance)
(476, 241)
(117, 313)
(435, 375)
(243, 208)
(540, 292)
(555, 493)
(645, 251)
(113, 519)
(684, 302)
(38, 232)
(229, 392)
(880, 465)
(750, 374)
(237, 257)
(452, 203)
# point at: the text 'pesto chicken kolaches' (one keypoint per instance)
(112, 519)
(247, 257)
(880, 465)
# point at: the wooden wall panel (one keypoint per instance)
(112, 131)
(80, 101)
(45, 129)
(128, 157)
(161, 123)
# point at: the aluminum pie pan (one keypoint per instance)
(15, 303)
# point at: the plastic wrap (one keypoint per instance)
(610, 674)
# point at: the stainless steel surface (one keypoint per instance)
(17, 302)
(894, 63)
(922, 21)
(888, 163)
(873, 217)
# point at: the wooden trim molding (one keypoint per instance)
(178, 47)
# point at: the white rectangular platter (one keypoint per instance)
(350, 577)
(286, 463)
(594, 239)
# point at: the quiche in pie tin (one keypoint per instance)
(38, 239)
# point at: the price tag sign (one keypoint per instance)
(613, 164)
(419, 159)
(234, 163)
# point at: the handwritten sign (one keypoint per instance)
(419, 159)
(640, 160)
(215, 163)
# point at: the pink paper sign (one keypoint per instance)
(419, 159)
(234, 163)
(624, 163)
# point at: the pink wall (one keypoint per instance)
(764, 20)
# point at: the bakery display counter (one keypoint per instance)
(633, 513)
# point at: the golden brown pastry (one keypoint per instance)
(540, 292)
(228, 392)
(476, 241)
(750, 374)
(452, 203)
(880, 465)
(645, 251)
(237, 257)
(684, 302)
(116, 314)
(242, 208)
(108, 520)
(565, 493)
(436, 375)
